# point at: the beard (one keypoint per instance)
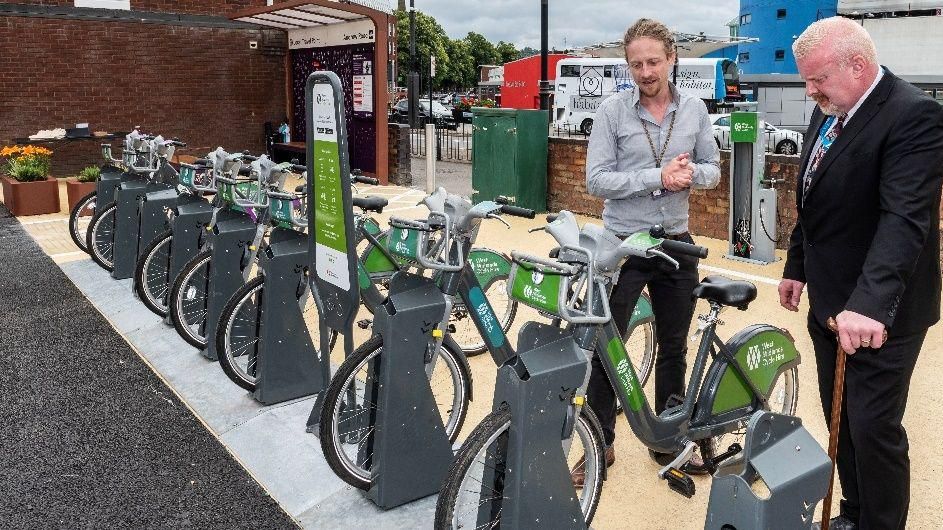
(650, 89)
(826, 106)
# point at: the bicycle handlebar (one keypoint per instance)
(365, 180)
(517, 211)
(687, 249)
(298, 168)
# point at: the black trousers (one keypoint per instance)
(673, 306)
(873, 464)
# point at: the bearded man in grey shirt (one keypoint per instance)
(650, 146)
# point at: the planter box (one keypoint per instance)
(75, 190)
(31, 198)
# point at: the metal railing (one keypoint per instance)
(452, 146)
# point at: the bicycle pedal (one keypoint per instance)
(679, 482)
(364, 324)
(733, 450)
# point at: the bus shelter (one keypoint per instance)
(356, 42)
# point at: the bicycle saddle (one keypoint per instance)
(373, 204)
(726, 292)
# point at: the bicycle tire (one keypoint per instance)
(494, 426)
(329, 431)
(150, 281)
(183, 322)
(79, 232)
(227, 352)
(99, 242)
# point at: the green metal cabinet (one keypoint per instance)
(509, 156)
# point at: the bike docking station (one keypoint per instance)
(407, 452)
(752, 226)
(332, 243)
(192, 213)
(287, 360)
(233, 237)
(783, 475)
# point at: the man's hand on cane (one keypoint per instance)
(858, 331)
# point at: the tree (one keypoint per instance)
(481, 50)
(430, 40)
(506, 51)
(462, 72)
(527, 51)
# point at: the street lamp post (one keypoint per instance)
(412, 79)
(544, 82)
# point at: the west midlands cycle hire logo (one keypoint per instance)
(533, 293)
(403, 235)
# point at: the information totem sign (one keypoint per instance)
(332, 250)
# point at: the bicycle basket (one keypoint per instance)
(406, 243)
(539, 286)
(287, 211)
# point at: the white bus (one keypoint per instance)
(583, 83)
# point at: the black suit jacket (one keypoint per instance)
(868, 235)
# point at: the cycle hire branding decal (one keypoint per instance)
(536, 288)
(488, 265)
(761, 357)
(479, 304)
(404, 243)
(625, 374)
(642, 240)
(330, 230)
(743, 127)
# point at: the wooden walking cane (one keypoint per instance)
(838, 391)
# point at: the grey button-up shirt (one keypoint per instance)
(620, 166)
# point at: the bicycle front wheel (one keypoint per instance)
(349, 410)
(100, 239)
(473, 492)
(152, 273)
(80, 218)
(189, 298)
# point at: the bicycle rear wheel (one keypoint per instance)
(100, 239)
(189, 298)
(152, 273)
(80, 218)
(473, 491)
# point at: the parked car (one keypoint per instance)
(779, 141)
(443, 116)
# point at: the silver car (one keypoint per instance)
(779, 141)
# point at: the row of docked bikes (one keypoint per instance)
(221, 248)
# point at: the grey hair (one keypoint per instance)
(845, 37)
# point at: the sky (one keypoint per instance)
(573, 23)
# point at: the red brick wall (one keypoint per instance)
(566, 190)
(201, 84)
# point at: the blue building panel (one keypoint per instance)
(776, 23)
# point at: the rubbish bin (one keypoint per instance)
(509, 156)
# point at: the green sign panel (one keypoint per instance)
(743, 127)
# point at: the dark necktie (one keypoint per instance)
(819, 154)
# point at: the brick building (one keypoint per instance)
(175, 67)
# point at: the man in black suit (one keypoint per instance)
(867, 244)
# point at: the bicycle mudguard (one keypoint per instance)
(764, 352)
(488, 265)
(643, 312)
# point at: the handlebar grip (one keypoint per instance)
(551, 217)
(248, 157)
(517, 211)
(245, 171)
(365, 180)
(687, 249)
(177, 143)
(202, 162)
(298, 168)
(501, 199)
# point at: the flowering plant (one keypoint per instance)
(28, 163)
(465, 104)
(489, 103)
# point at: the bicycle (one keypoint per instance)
(540, 395)
(159, 263)
(353, 404)
(103, 226)
(242, 206)
(111, 175)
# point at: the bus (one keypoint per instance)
(583, 83)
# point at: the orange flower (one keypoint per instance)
(10, 150)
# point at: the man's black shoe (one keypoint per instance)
(837, 523)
